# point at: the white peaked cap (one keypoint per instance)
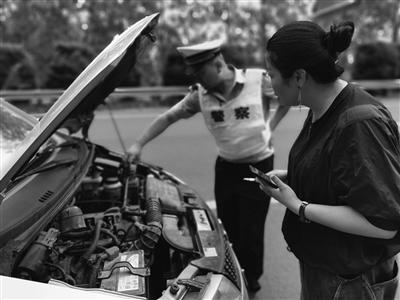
(200, 53)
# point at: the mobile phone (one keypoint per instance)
(261, 175)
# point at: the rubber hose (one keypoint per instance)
(149, 237)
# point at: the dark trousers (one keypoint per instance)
(243, 208)
(378, 283)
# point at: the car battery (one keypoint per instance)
(121, 279)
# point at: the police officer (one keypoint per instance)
(236, 108)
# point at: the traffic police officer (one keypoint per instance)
(235, 105)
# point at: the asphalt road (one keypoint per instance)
(187, 150)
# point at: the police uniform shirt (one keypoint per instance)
(191, 105)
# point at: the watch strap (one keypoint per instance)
(302, 216)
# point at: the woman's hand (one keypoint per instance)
(281, 174)
(284, 194)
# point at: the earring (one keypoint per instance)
(299, 98)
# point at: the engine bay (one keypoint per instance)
(130, 229)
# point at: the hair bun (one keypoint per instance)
(339, 37)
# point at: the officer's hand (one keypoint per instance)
(283, 194)
(134, 152)
(281, 174)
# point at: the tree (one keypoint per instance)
(69, 61)
(10, 55)
(374, 20)
(22, 76)
(40, 25)
(241, 24)
(37, 25)
(376, 61)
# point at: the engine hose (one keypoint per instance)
(76, 234)
(151, 234)
(82, 234)
(112, 209)
(148, 239)
(82, 248)
(70, 280)
(127, 232)
(153, 208)
(67, 278)
(111, 235)
(95, 240)
(92, 247)
(93, 273)
(59, 268)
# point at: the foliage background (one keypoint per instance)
(55, 39)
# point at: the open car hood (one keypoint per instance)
(88, 90)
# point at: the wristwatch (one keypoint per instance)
(302, 215)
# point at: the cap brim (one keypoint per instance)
(201, 58)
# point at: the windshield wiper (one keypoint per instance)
(46, 167)
(40, 155)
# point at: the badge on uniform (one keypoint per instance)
(242, 112)
(217, 115)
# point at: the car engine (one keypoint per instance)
(125, 229)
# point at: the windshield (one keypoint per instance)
(15, 124)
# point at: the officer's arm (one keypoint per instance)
(158, 126)
(186, 108)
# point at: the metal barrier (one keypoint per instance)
(382, 84)
(47, 96)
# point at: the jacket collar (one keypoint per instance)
(239, 79)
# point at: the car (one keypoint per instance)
(76, 215)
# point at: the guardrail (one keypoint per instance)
(47, 96)
(382, 84)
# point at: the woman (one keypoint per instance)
(342, 189)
